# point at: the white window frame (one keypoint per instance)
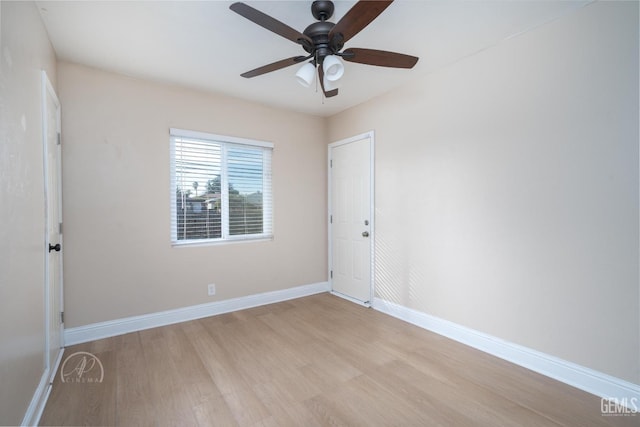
(226, 142)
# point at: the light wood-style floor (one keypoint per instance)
(313, 361)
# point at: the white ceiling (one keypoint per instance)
(206, 46)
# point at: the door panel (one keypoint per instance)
(351, 225)
(53, 286)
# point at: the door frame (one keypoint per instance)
(48, 90)
(371, 135)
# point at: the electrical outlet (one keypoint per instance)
(211, 289)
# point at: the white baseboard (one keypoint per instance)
(38, 401)
(112, 328)
(41, 395)
(589, 380)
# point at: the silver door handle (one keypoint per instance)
(365, 234)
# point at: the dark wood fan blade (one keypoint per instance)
(358, 17)
(330, 93)
(270, 23)
(274, 66)
(381, 58)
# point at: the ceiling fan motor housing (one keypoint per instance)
(322, 9)
(318, 32)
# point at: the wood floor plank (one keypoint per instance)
(173, 404)
(246, 407)
(192, 375)
(220, 367)
(214, 412)
(575, 408)
(314, 361)
(331, 413)
(284, 326)
(285, 409)
(133, 390)
(480, 406)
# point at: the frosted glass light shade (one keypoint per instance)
(306, 74)
(333, 68)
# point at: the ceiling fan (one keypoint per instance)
(323, 41)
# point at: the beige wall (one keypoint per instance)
(24, 51)
(507, 190)
(118, 257)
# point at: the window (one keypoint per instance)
(220, 188)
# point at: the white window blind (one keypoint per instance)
(220, 188)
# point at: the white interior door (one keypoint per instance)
(351, 217)
(53, 244)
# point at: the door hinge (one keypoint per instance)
(332, 274)
(60, 228)
(59, 142)
(62, 317)
(331, 163)
(330, 219)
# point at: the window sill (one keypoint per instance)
(199, 243)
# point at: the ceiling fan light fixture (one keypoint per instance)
(306, 74)
(333, 68)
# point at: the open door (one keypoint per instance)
(351, 218)
(53, 227)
